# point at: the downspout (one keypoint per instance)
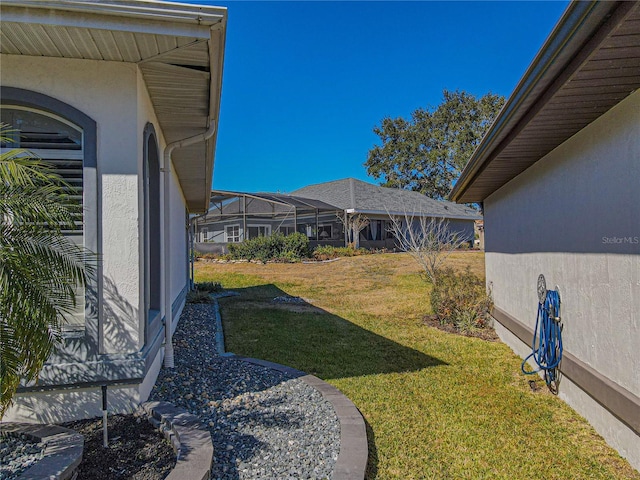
(166, 277)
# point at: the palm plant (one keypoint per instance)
(40, 269)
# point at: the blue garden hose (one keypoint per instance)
(547, 341)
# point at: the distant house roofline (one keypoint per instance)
(397, 213)
(358, 196)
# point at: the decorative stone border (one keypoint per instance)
(192, 444)
(354, 451)
(62, 455)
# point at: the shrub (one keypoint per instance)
(461, 299)
(274, 247)
(296, 246)
(327, 252)
(197, 296)
(208, 287)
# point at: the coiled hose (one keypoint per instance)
(547, 341)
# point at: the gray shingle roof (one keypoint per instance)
(350, 193)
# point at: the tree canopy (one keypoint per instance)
(427, 152)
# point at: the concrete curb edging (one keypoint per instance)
(354, 450)
(62, 455)
(192, 444)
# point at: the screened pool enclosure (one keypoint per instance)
(236, 216)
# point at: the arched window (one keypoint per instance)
(152, 232)
(66, 139)
(60, 144)
(55, 140)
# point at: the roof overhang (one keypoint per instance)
(410, 214)
(178, 47)
(589, 63)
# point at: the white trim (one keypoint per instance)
(156, 18)
(240, 233)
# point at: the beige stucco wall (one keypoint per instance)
(574, 216)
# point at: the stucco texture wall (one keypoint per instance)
(111, 102)
(177, 227)
(574, 217)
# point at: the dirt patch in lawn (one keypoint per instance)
(488, 334)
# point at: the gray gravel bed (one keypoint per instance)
(264, 423)
(17, 453)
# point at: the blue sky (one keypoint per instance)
(305, 82)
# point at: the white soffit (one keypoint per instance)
(179, 49)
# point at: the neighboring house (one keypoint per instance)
(123, 98)
(377, 203)
(559, 174)
(317, 210)
(236, 216)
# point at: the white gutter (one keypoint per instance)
(166, 274)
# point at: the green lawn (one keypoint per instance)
(437, 405)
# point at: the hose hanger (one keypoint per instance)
(547, 337)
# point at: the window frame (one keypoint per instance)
(267, 229)
(226, 234)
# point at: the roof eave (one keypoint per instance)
(196, 18)
(579, 22)
(215, 95)
(200, 23)
(412, 214)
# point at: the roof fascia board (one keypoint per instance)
(412, 214)
(217, 44)
(170, 11)
(561, 41)
(95, 20)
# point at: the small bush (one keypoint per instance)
(207, 256)
(461, 299)
(275, 247)
(208, 287)
(328, 252)
(196, 296)
(296, 245)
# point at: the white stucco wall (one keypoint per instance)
(178, 244)
(111, 101)
(574, 216)
(178, 232)
(115, 96)
(177, 203)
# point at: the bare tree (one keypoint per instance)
(428, 240)
(353, 224)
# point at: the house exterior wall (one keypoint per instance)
(574, 217)
(216, 229)
(114, 95)
(111, 102)
(178, 231)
